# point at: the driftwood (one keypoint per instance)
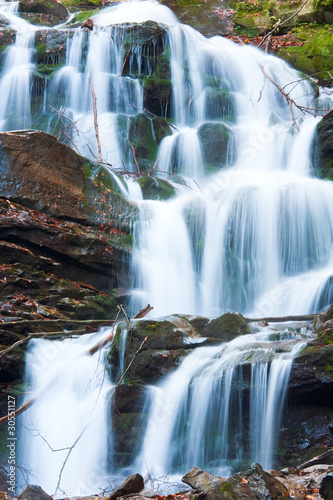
(281, 319)
(325, 458)
(143, 312)
(130, 364)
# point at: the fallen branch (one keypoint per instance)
(19, 410)
(92, 89)
(281, 23)
(304, 317)
(126, 59)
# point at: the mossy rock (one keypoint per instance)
(128, 429)
(151, 365)
(161, 128)
(315, 56)
(214, 138)
(226, 327)
(57, 12)
(155, 189)
(141, 137)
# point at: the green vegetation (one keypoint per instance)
(315, 56)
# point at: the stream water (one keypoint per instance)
(251, 231)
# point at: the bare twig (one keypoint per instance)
(92, 89)
(130, 363)
(134, 158)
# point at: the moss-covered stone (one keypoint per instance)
(161, 128)
(226, 327)
(214, 138)
(154, 188)
(315, 56)
(55, 11)
(141, 137)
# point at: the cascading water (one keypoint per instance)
(251, 231)
(198, 414)
(16, 80)
(72, 392)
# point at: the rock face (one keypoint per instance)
(62, 252)
(307, 425)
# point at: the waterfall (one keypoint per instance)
(72, 394)
(249, 230)
(16, 80)
(198, 415)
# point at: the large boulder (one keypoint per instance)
(33, 492)
(44, 12)
(214, 138)
(251, 484)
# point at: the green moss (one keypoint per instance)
(141, 137)
(155, 189)
(315, 56)
(84, 15)
(226, 490)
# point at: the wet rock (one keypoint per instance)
(326, 488)
(214, 139)
(157, 95)
(324, 147)
(141, 137)
(251, 484)
(33, 492)
(201, 480)
(129, 398)
(161, 128)
(55, 11)
(305, 432)
(133, 484)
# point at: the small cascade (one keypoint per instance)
(65, 438)
(15, 81)
(215, 412)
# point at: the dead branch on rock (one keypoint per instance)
(281, 23)
(143, 312)
(94, 99)
(126, 59)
